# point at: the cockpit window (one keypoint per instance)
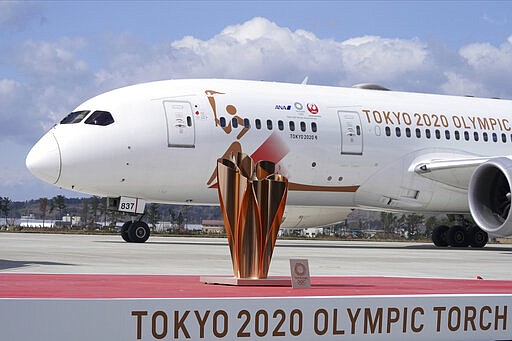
(100, 118)
(75, 117)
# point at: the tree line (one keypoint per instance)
(93, 212)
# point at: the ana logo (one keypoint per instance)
(283, 107)
(312, 108)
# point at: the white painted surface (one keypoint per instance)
(453, 318)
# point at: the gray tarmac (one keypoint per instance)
(107, 254)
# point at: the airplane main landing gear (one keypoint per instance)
(460, 236)
(439, 235)
(135, 232)
(479, 237)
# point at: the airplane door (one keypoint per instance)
(351, 133)
(180, 124)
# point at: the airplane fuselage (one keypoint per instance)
(340, 148)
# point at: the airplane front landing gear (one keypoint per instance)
(124, 231)
(138, 232)
(135, 231)
(132, 231)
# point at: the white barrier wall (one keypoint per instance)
(439, 317)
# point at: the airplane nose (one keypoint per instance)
(44, 160)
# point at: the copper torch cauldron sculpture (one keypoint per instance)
(252, 199)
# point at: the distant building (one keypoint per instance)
(193, 227)
(71, 220)
(312, 232)
(212, 226)
(30, 221)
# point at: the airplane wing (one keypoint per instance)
(453, 172)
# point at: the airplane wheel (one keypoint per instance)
(457, 236)
(439, 236)
(478, 237)
(138, 232)
(124, 231)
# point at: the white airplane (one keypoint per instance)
(340, 148)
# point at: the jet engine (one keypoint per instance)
(489, 196)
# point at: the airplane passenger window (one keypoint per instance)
(269, 124)
(447, 134)
(457, 135)
(494, 137)
(503, 138)
(313, 127)
(398, 132)
(408, 132)
(388, 131)
(189, 121)
(247, 123)
(302, 126)
(427, 133)
(358, 130)
(438, 134)
(485, 137)
(418, 132)
(475, 136)
(258, 123)
(466, 136)
(280, 125)
(292, 126)
(234, 122)
(100, 118)
(75, 117)
(222, 122)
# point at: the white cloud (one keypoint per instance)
(254, 30)
(53, 79)
(13, 98)
(260, 49)
(11, 177)
(460, 85)
(55, 76)
(59, 76)
(15, 15)
(377, 59)
(52, 60)
(9, 89)
(488, 58)
(487, 69)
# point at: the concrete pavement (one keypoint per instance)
(107, 254)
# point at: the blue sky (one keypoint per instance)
(56, 54)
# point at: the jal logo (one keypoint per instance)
(312, 108)
(283, 107)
